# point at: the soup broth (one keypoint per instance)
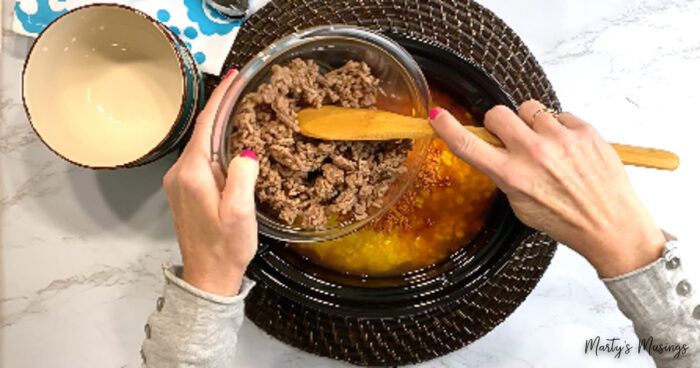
(442, 211)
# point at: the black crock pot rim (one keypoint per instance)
(272, 267)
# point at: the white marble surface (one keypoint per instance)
(80, 250)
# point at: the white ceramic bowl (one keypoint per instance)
(107, 86)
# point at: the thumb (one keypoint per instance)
(464, 144)
(238, 197)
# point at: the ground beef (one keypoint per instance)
(306, 180)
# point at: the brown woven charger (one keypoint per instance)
(475, 33)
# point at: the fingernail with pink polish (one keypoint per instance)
(229, 72)
(434, 113)
(250, 154)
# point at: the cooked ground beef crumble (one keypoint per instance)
(306, 180)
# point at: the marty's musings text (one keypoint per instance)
(618, 348)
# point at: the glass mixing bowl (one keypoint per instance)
(403, 89)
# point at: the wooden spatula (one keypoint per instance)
(346, 124)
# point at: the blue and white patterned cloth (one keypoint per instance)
(208, 34)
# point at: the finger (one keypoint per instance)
(534, 114)
(238, 199)
(201, 137)
(504, 123)
(464, 144)
(571, 121)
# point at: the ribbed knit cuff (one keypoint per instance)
(644, 292)
(173, 275)
(663, 307)
(191, 327)
(655, 287)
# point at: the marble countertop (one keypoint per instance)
(80, 250)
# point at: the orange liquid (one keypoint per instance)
(436, 220)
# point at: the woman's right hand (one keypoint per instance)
(563, 178)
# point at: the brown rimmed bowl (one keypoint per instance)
(107, 86)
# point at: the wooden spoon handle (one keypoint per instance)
(339, 123)
(630, 155)
(485, 135)
(647, 157)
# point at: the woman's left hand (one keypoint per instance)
(214, 216)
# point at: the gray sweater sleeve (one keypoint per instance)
(663, 308)
(192, 328)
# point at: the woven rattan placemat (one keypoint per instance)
(475, 33)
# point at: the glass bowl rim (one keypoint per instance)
(265, 59)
